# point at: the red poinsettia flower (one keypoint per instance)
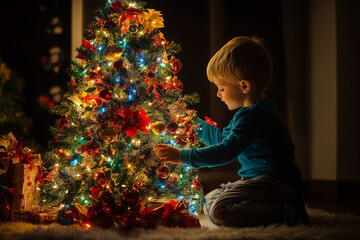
(135, 121)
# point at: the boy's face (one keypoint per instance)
(230, 94)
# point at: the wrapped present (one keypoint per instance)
(24, 181)
(35, 217)
(21, 216)
(20, 175)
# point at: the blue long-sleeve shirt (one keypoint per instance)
(256, 136)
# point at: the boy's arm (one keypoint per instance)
(210, 134)
(237, 139)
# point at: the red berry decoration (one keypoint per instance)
(172, 126)
(163, 171)
(64, 123)
(130, 197)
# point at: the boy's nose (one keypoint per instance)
(218, 94)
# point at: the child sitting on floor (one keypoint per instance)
(268, 191)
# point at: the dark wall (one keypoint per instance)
(26, 37)
(263, 19)
(298, 86)
(348, 52)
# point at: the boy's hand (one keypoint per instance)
(167, 153)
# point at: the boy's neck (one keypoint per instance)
(254, 98)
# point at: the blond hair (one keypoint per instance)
(242, 58)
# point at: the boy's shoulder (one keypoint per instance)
(261, 105)
(260, 109)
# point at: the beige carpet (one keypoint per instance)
(324, 225)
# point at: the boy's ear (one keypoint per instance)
(245, 86)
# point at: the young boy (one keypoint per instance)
(268, 191)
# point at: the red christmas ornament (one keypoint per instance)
(172, 126)
(163, 171)
(130, 197)
(175, 65)
(176, 83)
(91, 148)
(64, 123)
(135, 121)
(105, 94)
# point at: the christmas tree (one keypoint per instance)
(124, 98)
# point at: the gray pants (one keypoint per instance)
(254, 202)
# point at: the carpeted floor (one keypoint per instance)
(324, 225)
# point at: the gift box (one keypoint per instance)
(25, 184)
(20, 176)
(35, 217)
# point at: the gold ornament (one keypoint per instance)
(109, 134)
(112, 52)
(158, 128)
